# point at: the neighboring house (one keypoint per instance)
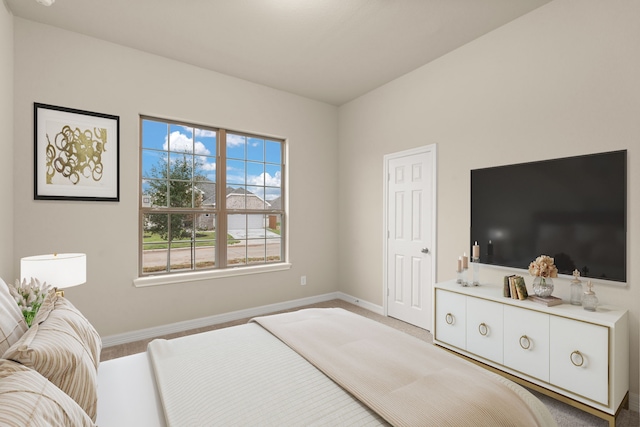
(237, 198)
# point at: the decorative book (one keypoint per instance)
(514, 287)
(549, 301)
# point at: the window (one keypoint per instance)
(210, 198)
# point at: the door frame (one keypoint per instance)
(385, 225)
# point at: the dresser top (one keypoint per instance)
(605, 315)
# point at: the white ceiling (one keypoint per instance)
(329, 50)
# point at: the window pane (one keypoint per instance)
(273, 222)
(273, 174)
(205, 168)
(237, 253)
(181, 226)
(236, 198)
(205, 142)
(180, 257)
(154, 243)
(255, 149)
(255, 197)
(273, 238)
(154, 134)
(235, 172)
(236, 146)
(237, 240)
(205, 243)
(155, 192)
(237, 226)
(206, 194)
(256, 250)
(273, 198)
(154, 164)
(255, 173)
(181, 194)
(181, 166)
(274, 151)
(274, 250)
(180, 139)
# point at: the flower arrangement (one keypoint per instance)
(29, 296)
(543, 266)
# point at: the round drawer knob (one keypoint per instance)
(525, 342)
(577, 358)
(483, 329)
(449, 319)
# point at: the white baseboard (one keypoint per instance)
(204, 322)
(362, 303)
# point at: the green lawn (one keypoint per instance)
(203, 238)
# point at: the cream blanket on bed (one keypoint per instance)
(407, 381)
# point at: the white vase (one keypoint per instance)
(542, 286)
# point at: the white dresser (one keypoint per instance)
(563, 351)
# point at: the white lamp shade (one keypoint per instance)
(58, 270)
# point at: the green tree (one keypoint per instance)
(172, 186)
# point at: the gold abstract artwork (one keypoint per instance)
(76, 154)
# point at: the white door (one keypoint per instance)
(410, 235)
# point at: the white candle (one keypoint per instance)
(459, 264)
(476, 250)
(465, 260)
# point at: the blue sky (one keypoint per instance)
(254, 162)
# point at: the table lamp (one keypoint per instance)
(58, 270)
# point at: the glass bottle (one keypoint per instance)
(576, 289)
(590, 301)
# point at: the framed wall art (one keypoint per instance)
(76, 154)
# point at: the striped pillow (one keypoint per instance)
(63, 347)
(12, 324)
(29, 399)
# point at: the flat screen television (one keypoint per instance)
(573, 209)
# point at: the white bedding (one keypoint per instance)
(127, 395)
(243, 376)
(255, 380)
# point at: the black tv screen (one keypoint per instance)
(573, 209)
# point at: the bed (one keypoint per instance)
(308, 367)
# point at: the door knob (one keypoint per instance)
(425, 250)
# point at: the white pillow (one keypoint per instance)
(12, 323)
(29, 399)
(64, 348)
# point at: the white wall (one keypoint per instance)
(6, 144)
(62, 68)
(560, 81)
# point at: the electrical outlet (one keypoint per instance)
(303, 280)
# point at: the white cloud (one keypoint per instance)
(208, 166)
(265, 179)
(234, 140)
(182, 143)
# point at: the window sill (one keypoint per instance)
(194, 276)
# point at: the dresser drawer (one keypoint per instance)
(579, 358)
(485, 329)
(526, 342)
(450, 318)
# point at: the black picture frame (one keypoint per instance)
(76, 154)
